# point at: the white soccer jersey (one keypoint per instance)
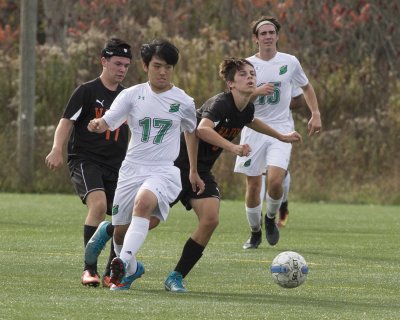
(285, 71)
(155, 120)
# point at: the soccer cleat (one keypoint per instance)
(283, 215)
(254, 241)
(126, 282)
(174, 283)
(117, 270)
(106, 281)
(96, 243)
(272, 232)
(90, 278)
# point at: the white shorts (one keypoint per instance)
(265, 151)
(163, 181)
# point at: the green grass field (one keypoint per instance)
(352, 253)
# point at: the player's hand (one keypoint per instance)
(197, 183)
(54, 159)
(97, 125)
(266, 89)
(314, 125)
(242, 150)
(93, 125)
(292, 137)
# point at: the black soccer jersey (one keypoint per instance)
(91, 100)
(229, 122)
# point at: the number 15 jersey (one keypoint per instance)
(284, 71)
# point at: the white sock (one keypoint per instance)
(254, 218)
(273, 206)
(117, 248)
(286, 187)
(262, 192)
(134, 239)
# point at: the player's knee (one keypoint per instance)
(211, 222)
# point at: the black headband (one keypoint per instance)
(109, 52)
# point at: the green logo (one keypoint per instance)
(283, 69)
(114, 210)
(174, 107)
(247, 163)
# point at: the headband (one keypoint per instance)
(264, 22)
(109, 52)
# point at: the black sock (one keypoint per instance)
(110, 258)
(283, 206)
(88, 232)
(191, 253)
(110, 230)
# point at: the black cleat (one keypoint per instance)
(254, 241)
(272, 231)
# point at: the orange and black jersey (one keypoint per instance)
(229, 122)
(91, 100)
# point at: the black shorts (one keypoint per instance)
(87, 176)
(211, 189)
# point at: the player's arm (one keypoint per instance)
(314, 125)
(192, 143)
(205, 131)
(262, 127)
(54, 159)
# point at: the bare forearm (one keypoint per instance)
(311, 99)
(192, 148)
(210, 136)
(262, 127)
(62, 133)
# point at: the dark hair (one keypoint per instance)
(229, 67)
(163, 49)
(116, 47)
(254, 24)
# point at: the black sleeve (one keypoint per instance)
(75, 103)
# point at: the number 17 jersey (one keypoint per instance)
(155, 120)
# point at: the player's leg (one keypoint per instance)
(207, 211)
(126, 268)
(284, 208)
(278, 157)
(275, 176)
(96, 203)
(87, 180)
(106, 229)
(253, 210)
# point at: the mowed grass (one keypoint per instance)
(352, 252)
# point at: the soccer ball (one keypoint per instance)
(289, 269)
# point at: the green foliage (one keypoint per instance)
(350, 250)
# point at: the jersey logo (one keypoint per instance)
(247, 163)
(100, 102)
(114, 210)
(141, 98)
(283, 69)
(174, 107)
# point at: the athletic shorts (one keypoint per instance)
(211, 189)
(87, 176)
(163, 181)
(265, 151)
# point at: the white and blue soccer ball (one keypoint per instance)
(289, 269)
